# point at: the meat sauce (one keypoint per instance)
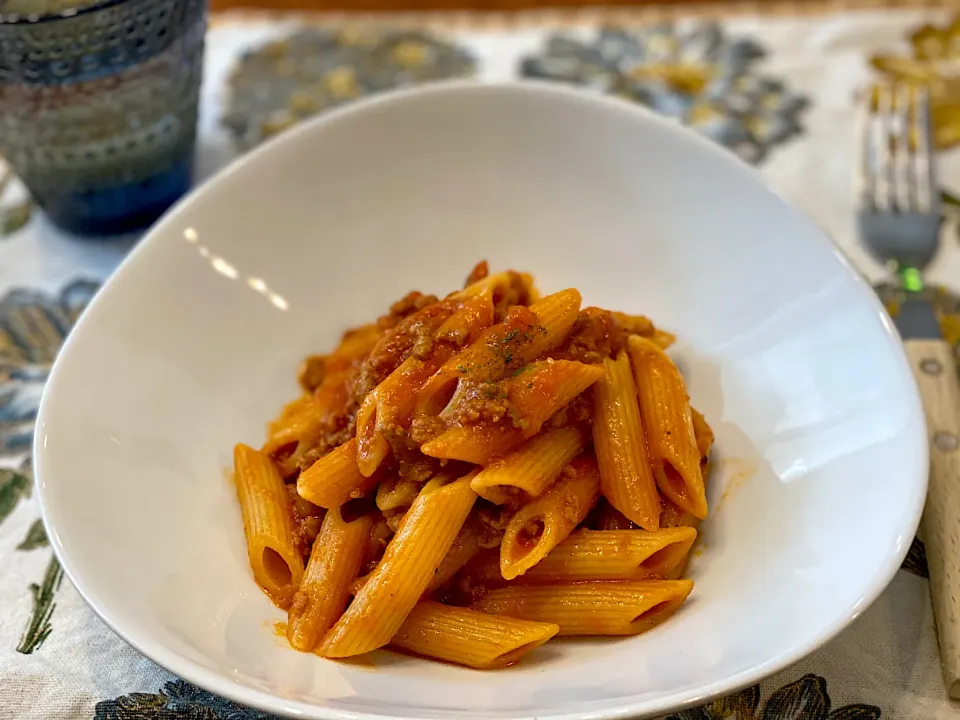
(368, 354)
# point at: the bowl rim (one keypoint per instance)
(619, 709)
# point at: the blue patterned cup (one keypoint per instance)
(98, 106)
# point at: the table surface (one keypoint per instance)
(58, 660)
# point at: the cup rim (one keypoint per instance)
(36, 19)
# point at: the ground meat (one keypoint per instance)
(422, 347)
(400, 341)
(409, 304)
(479, 272)
(635, 324)
(380, 536)
(307, 519)
(596, 335)
(311, 372)
(493, 521)
(578, 412)
(480, 402)
(455, 335)
(418, 468)
(394, 518)
(338, 404)
(517, 292)
(425, 428)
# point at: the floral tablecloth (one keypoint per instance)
(777, 90)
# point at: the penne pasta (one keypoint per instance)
(502, 349)
(668, 424)
(591, 608)
(468, 637)
(702, 432)
(335, 478)
(533, 395)
(613, 555)
(268, 524)
(395, 492)
(465, 546)
(513, 446)
(391, 403)
(334, 563)
(505, 288)
(311, 372)
(625, 472)
(402, 576)
(302, 418)
(529, 470)
(354, 346)
(542, 524)
(330, 400)
(289, 413)
(292, 426)
(675, 517)
(598, 555)
(608, 517)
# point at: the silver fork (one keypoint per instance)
(898, 214)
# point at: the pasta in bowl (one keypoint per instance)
(468, 477)
(192, 344)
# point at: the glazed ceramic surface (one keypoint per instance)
(820, 466)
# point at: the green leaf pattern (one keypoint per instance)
(33, 326)
(14, 486)
(36, 537)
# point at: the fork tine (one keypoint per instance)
(862, 174)
(904, 185)
(924, 170)
(881, 127)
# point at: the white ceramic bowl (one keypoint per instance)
(193, 344)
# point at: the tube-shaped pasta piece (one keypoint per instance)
(268, 524)
(502, 349)
(330, 400)
(335, 478)
(506, 288)
(391, 402)
(534, 394)
(333, 566)
(290, 413)
(357, 585)
(396, 492)
(676, 517)
(668, 424)
(354, 346)
(465, 546)
(663, 339)
(599, 555)
(402, 576)
(468, 637)
(529, 470)
(302, 420)
(591, 608)
(702, 432)
(293, 423)
(613, 555)
(542, 524)
(608, 517)
(625, 472)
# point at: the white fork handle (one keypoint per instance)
(932, 362)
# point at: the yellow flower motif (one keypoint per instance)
(935, 64)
